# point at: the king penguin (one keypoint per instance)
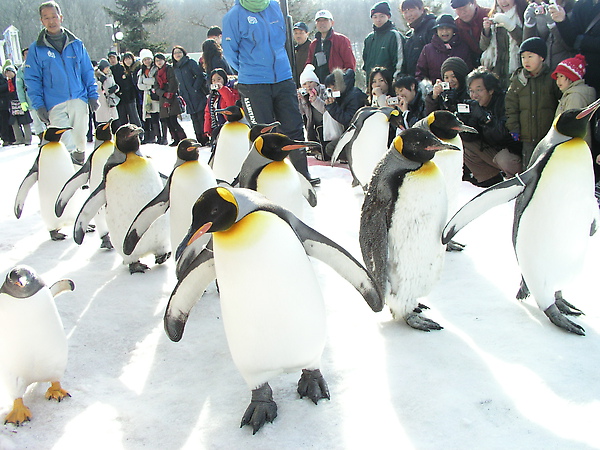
(401, 222)
(555, 214)
(273, 312)
(268, 170)
(188, 180)
(91, 172)
(446, 127)
(33, 342)
(366, 141)
(51, 170)
(232, 145)
(130, 181)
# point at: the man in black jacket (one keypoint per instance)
(421, 31)
(493, 151)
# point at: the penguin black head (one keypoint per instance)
(261, 128)
(53, 134)
(215, 210)
(419, 145)
(21, 282)
(445, 125)
(187, 150)
(104, 131)
(232, 113)
(574, 122)
(276, 146)
(127, 138)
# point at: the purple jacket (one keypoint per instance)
(434, 54)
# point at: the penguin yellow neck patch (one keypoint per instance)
(244, 232)
(428, 169)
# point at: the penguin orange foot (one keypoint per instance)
(138, 267)
(56, 235)
(313, 385)
(261, 409)
(19, 414)
(56, 392)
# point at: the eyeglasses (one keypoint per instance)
(477, 91)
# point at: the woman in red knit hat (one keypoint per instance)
(576, 94)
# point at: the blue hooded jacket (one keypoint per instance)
(254, 44)
(52, 77)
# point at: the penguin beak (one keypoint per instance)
(270, 127)
(137, 131)
(200, 232)
(186, 253)
(223, 111)
(588, 111)
(301, 144)
(193, 147)
(465, 128)
(442, 146)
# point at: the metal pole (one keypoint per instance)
(289, 42)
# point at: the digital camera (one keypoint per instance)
(330, 93)
(215, 87)
(392, 101)
(303, 91)
(445, 85)
(542, 8)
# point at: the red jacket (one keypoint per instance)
(471, 32)
(341, 55)
(227, 97)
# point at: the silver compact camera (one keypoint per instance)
(330, 93)
(303, 91)
(392, 101)
(445, 85)
(541, 8)
(215, 87)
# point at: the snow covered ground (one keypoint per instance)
(498, 376)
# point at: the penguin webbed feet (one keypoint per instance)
(56, 392)
(261, 409)
(523, 291)
(159, 259)
(312, 385)
(91, 228)
(561, 321)
(565, 307)
(138, 267)
(454, 246)
(106, 243)
(56, 235)
(19, 414)
(418, 322)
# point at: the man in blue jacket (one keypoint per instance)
(60, 80)
(254, 44)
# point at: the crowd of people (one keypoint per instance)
(507, 71)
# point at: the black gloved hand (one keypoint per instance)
(113, 89)
(478, 113)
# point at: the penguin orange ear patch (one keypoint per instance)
(398, 144)
(226, 195)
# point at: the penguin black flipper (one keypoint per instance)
(192, 282)
(336, 257)
(308, 190)
(146, 217)
(27, 183)
(78, 179)
(62, 286)
(498, 194)
(95, 201)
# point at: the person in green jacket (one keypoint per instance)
(532, 98)
(383, 47)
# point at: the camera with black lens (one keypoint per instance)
(541, 8)
(215, 87)
(303, 92)
(330, 93)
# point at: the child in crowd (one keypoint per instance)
(576, 94)
(380, 81)
(311, 100)
(107, 93)
(221, 96)
(532, 98)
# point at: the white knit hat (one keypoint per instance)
(308, 74)
(145, 53)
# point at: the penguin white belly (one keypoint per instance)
(55, 168)
(232, 148)
(272, 305)
(188, 182)
(129, 187)
(34, 344)
(369, 147)
(415, 250)
(554, 228)
(278, 181)
(450, 162)
(99, 159)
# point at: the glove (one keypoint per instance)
(94, 104)
(102, 79)
(478, 113)
(516, 136)
(24, 106)
(168, 95)
(113, 89)
(530, 17)
(154, 96)
(166, 105)
(502, 20)
(43, 115)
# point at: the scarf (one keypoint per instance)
(11, 85)
(161, 77)
(255, 5)
(389, 25)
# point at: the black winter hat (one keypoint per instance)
(456, 65)
(381, 7)
(301, 26)
(103, 64)
(534, 45)
(445, 20)
(460, 3)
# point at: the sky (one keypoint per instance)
(499, 375)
